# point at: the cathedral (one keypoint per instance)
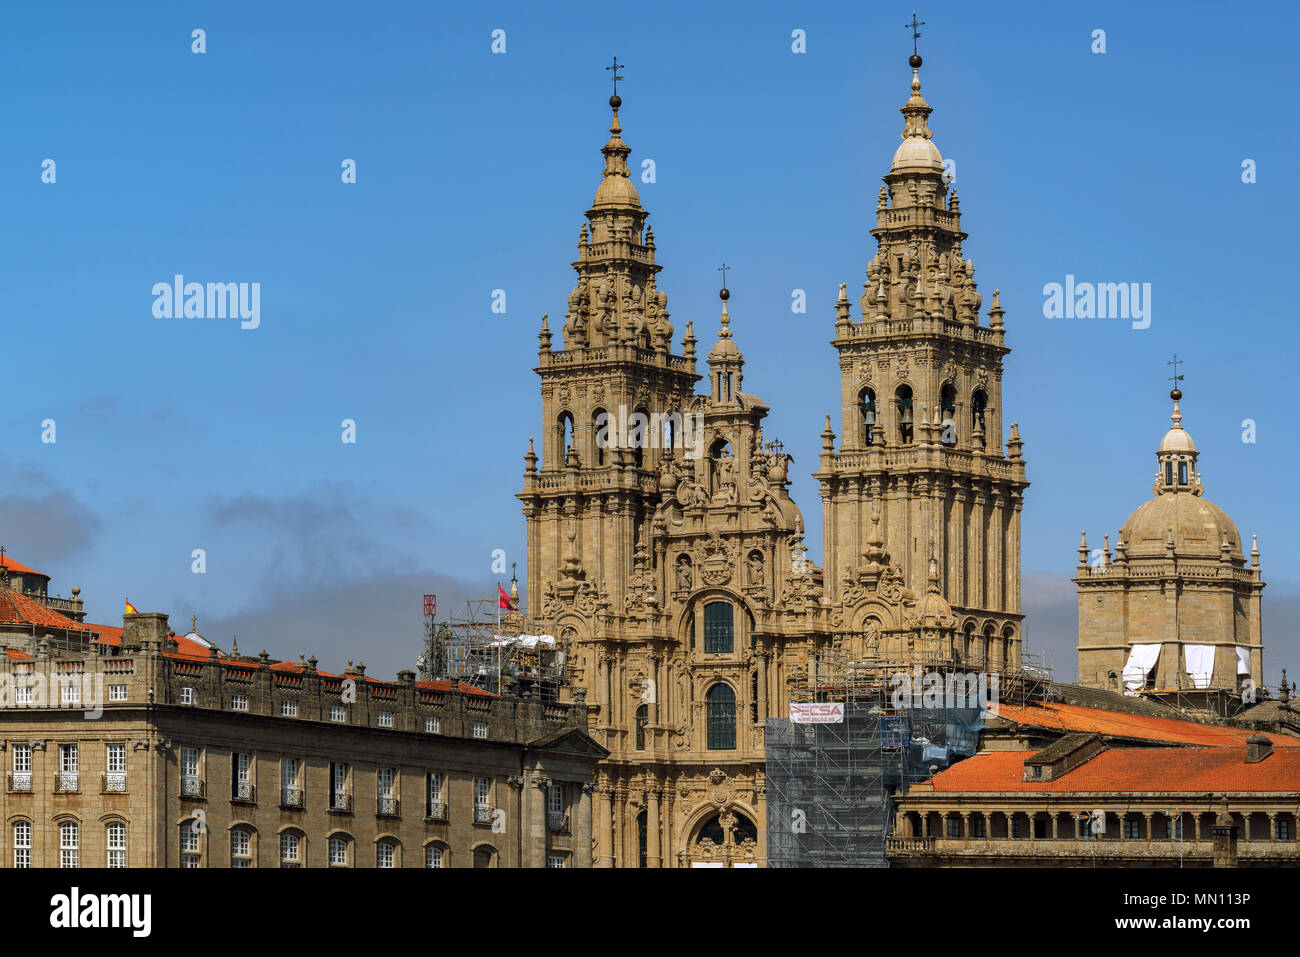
(669, 558)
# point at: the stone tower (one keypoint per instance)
(1175, 606)
(665, 552)
(921, 473)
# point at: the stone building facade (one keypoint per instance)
(666, 553)
(1176, 606)
(157, 752)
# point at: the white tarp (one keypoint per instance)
(1141, 659)
(1200, 664)
(527, 641)
(1243, 660)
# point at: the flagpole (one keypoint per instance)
(498, 637)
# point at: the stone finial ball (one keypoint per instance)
(616, 101)
(914, 61)
(723, 294)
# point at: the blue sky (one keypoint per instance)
(473, 172)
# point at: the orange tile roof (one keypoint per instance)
(18, 609)
(1119, 724)
(19, 567)
(1130, 770)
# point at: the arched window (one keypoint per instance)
(386, 854)
(642, 719)
(190, 847)
(639, 436)
(435, 855)
(291, 854)
(69, 844)
(564, 436)
(719, 627)
(22, 843)
(338, 851)
(241, 847)
(599, 435)
(867, 406)
(948, 417)
(484, 856)
(115, 839)
(979, 401)
(903, 402)
(720, 702)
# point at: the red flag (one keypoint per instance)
(503, 600)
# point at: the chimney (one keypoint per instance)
(1258, 748)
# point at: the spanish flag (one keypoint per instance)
(130, 608)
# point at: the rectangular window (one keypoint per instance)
(191, 784)
(1017, 827)
(338, 713)
(555, 860)
(431, 725)
(72, 693)
(115, 779)
(435, 809)
(187, 696)
(24, 694)
(22, 844)
(953, 827)
(556, 808)
(241, 784)
(482, 796)
(69, 844)
(339, 786)
(1283, 830)
(978, 826)
(116, 840)
(385, 719)
(288, 708)
(290, 795)
(479, 729)
(67, 767)
(117, 692)
(190, 860)
(22, 758)
(239, 702)
(718, 627)
(384, 784)
(1132, 829)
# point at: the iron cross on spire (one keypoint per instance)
(915, 27)
(723, 269)
(1175, 378)
(614, 68)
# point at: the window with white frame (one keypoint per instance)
(22, 775)
(338, 713)
(290, 795)
(433, 856)
(385, 854)
(385, 779)
(556, 860)
(239, 702)
(431, 725)
(288, 708)
(242, 785)
(385, 719)
(479, 729)
(24, 694)
(115, 833)
(115, 758)
(71, 693)
(69, 844)
(190, 847)
(436, 810)
(556, 808)
(482, 800)
(67, 767)
(117, 692)
(339, 786)
(22, 844)
(290, 849)
(338, 851)
(187, 695)
(241, 848)
(191, 783)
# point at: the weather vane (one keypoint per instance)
(723, 269)
(615, 67)
(915, 27)
(1175, 378)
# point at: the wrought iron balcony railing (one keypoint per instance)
(65, 781)
(20, 781)
(114, 782)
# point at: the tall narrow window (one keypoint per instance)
(338, 851)
(1169, 472)
(434, 810)
(720, 702)
(599, 435)
(384, 788)
(69, 844)
(948, 418)
(564, 436)
(1182, 473)
(482, 795)
(67, 767)
(191, 786)
(979, 401)
(241, 785)
(867, 406)
(642, 719)
(241, 848)
(115, 834)
(556, 809)
(290, 796)
(903, 404)
(22, 844)
(719, 625)
(115, 779)
(433, 856)
(22, 776)
(290, 849)
(339, 786)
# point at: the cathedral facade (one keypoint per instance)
(664, 549)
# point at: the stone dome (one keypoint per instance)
(616, 190)
(1199, 527)
(1177, 439)
(917, 152)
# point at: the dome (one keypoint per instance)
(616, 190)
(1177, 439)
(1199, 527)
(917, 152)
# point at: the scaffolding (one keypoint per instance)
(481, 650)
(831, 786)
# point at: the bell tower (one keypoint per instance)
(612, 397)
(921, 464)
